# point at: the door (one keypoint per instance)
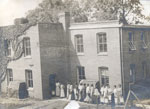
(52, 86)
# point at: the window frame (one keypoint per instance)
(104, 76)
(79, 44)
(9, 75)
(81, 75)
(29, 78)
(143, 39)
(132, 45)
(8, 47)
(103, 43)
(27, 46)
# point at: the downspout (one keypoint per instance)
(121, 61)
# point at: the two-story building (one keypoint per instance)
(106, 51)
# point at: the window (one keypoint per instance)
(143, 39)
(131, 41)
(7, 44)
(104, 77)
(27, 48)
(29, 79)
(79, 43)
(9, 75)
(101, 42)
(81, 72)
(132, 73)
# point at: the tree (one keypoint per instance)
(88, 10)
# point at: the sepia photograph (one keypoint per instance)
(74, 54)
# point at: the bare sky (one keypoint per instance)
(11, 9)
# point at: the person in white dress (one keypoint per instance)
(115, 94)
(109, 94)
(87, 98)
(106, 94)
(62, 92)
(102, 95)
(80, 87)
(92, 90)
(120, 97)
(96, 95)
(57, 89)
(68, 90)
(76, 93)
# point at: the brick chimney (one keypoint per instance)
(64, 18)
(19, 21)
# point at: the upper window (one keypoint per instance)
(27, 47)
(29, 78)
(104, 75)
(9, 75)
(143, 39)
(131, 41)
(79, 43)
(101, 42)
(8, 47)
(81, 72)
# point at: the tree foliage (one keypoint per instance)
(88, 10)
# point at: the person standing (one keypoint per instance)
(62, 92)
(87, 98)
(106, 94)
(68, 90)
(96, 96)
(83, 92)
(91, 90)
(80, 87)
(57, 89)
(115, 94)
(102, 100)
(76, 92)
(109, 94)
(120, 96)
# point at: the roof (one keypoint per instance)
(105, 24)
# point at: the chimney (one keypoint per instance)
(64, 18)
(19, 21)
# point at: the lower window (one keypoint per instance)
(104, 77)
(29, 78)
(9, 75)
(81, 73)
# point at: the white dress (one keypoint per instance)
(116, 96)
(91, 91)
(109, 94)
(106, 95)
(58, 89)
(87, 98)
(75, 93)
(70, 92)
(121, 100)
(68, 88)
(62, 92)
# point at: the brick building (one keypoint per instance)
(106, 51)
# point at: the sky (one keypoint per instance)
(11, 9)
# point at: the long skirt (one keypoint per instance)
(87, 98)
(121, 100)
(57, 91)
(116, 100)
(62, 93)
(102, 99)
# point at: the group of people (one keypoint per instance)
(90, 93)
